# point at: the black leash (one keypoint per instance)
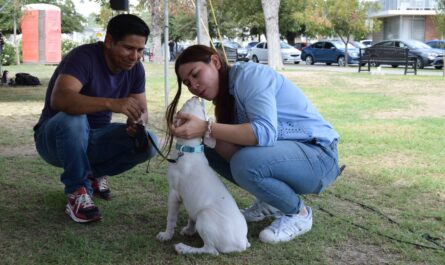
(141, 140)
(426, 236)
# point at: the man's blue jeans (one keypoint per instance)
(67, 141)
(278, 174)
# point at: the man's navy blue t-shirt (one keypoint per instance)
(87, 64)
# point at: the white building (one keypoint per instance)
(406, 19)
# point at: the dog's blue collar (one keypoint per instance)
(190, 149)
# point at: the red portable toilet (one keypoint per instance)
(41, 34)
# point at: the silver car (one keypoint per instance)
(289, 54)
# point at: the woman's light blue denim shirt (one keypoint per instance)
(275, 107)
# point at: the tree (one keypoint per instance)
(348, 18)
(203, 23)
(270, 10)
(439, 22)
(156, 30)
(290, 27)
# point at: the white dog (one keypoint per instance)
(212, 211)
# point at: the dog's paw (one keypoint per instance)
(188, 231)
(164, 236)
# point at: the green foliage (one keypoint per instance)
(439, 18)
(349, 18)
(67, 46)
(8, 56)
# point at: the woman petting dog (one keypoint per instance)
(270, 140)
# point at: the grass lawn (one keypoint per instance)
(390, 197)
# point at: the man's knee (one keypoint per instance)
(70, 124)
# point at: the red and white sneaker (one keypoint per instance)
(100, 187)
(81, 208)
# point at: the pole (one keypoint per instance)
(198, 21)
(166, 51)
(17, 55)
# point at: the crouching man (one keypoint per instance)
(75, 132)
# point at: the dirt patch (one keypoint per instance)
(427, 106)
(26, 150)
(355, 252)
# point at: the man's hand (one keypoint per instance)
(190, 126)
(132, 126)
(130, 107)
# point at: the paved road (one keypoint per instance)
(430, 71)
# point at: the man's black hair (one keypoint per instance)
(126, 24)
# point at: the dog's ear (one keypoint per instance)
(210, 141)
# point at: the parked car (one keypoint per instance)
(289, 54)
(367, 43)
(300, 45)
(424, 53)
(250, 45)
(437, 44)
(358, 44)
(233, 50)
(329, 52)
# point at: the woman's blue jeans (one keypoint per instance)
(67, 141)
(278, 174)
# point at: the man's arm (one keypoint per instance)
(66, 97)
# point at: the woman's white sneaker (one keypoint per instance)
(286, 228)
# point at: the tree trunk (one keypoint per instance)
(270, 10)
(204, 24)
(290, 37)
(156, 31)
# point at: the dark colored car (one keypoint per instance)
(437, 44)
(233, 50)
(424, 53)
(329, 52)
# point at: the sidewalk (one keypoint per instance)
(354, 69)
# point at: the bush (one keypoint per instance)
(67, 46)
(8, 55)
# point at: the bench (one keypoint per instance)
(394, 56)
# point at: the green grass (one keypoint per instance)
(392, 141)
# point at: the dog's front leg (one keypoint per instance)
(172, 216)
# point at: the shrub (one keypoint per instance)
(67, 46)
(8, 55)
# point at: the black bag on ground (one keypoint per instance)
(25, 79)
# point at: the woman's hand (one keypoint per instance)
(188, 126)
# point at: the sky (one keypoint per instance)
(87, 7)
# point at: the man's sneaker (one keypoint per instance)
(260, 210)
(287, 228)
(100, 187)
(81, 208)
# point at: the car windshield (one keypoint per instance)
(358, 44)
(341, 45)
(417, 44)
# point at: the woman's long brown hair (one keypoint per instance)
(224, 102)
